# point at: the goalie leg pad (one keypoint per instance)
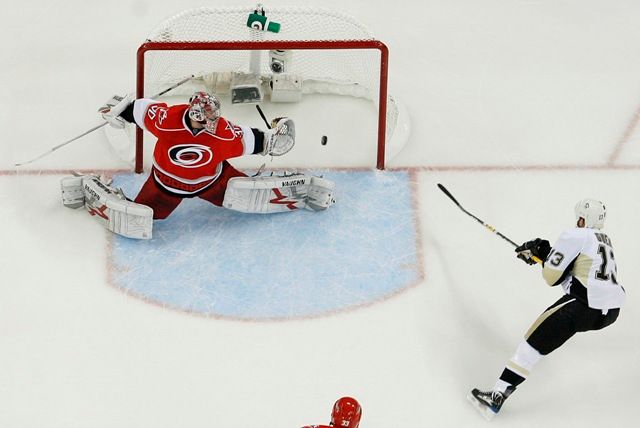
(271, 194)
(111, 208)
(321, 194)
(72, 193)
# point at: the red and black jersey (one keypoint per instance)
(185, 160)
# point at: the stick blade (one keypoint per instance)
(19, 164)
(446, 192)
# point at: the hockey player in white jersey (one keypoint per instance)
(582, 262)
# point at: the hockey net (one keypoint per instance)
(315, 52)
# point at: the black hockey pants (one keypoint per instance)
(562, 320)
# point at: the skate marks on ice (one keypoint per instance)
(219, 263)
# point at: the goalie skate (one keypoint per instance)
(107, 205)
(72, 193)
(320, 194)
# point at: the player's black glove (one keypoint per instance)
(539, 248)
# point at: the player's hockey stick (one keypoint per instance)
(53, 149)
(266, 122)
(488, 226)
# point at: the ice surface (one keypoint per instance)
(222, 263)
(520, 108)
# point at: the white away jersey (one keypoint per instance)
(582, 261)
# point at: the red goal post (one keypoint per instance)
(187, 44)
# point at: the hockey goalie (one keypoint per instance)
(190, 159)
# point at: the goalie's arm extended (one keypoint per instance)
(276, 141)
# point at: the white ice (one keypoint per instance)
(520, 108)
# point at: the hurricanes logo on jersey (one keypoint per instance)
(190, 155)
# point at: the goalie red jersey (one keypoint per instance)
(187, 161)
(191, 156)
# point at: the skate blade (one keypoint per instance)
(484, 410)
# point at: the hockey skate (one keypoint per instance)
(488, 403)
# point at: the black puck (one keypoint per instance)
(323, 140)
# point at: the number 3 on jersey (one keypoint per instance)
(608, 269)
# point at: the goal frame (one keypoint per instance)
(267, 45)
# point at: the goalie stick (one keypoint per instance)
(53, 149)
(263, 116)
(488, 226)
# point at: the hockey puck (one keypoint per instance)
(323, 140)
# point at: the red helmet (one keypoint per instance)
(205, 108)
(346, 413)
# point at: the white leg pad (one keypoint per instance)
(72, 193)
(114, 211)
(321, 194)
(270, 194)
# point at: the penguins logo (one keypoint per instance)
(190, 155)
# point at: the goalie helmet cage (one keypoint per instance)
(334, 54)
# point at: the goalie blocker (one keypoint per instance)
(107, 205)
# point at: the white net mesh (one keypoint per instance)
(206, 24)
(351, 72)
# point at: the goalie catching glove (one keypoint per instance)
(280, 138)
(107, 205)
(539, 248)
(113, 108)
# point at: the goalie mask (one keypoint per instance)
(205, 109)
(592, 211)
(346, 413)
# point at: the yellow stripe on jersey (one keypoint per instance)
(581, 268)
(518, 369)
(551, 276)
(543, 317)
